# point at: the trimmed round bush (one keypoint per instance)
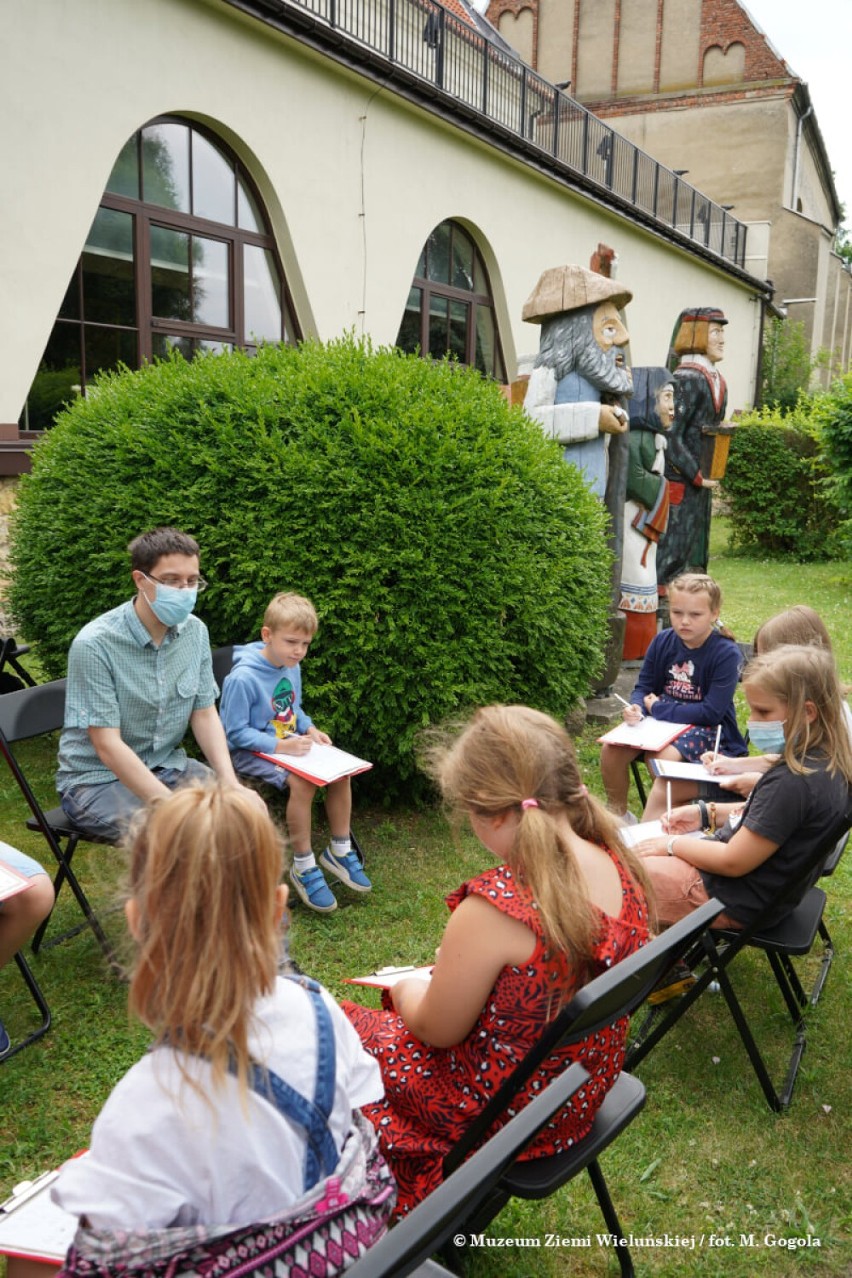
(453, 557)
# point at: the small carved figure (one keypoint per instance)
(646, 511)
(700, 399)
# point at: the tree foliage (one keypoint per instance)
(787, 364)
(453, 557)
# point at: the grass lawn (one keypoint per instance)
(706, 1169)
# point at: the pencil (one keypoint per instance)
(718, 739)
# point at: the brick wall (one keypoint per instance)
(724, 23)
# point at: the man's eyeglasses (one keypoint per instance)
(179, 583)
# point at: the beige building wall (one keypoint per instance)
(595, 49)
(679, 46)
(518, 30)
(353, 178)
(747, 171)
(555, 51)
(638, 33)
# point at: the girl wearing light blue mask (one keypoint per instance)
(797, 625)
(796, 708)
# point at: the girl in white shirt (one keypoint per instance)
(243, 1111)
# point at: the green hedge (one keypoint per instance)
(833, 415)
(775, 486)
(453, 557)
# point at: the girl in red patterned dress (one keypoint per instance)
(565, 902)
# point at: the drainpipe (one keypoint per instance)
(799, 127)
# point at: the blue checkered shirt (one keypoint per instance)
(118, 678)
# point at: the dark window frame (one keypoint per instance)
(430, 288)
(147, 214)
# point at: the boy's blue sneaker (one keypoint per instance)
(5, 1041)
(348, 869)
(312, 888)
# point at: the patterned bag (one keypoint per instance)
(320, 1236)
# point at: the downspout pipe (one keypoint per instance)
(797, 157)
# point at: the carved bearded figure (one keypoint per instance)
(579, 375)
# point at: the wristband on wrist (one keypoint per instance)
(712, 807)
(670, 845)
(703, 816)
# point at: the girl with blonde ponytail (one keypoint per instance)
(565, 901)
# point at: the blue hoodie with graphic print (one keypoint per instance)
(261, 703)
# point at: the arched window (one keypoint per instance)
(179, 257)
(449, 308)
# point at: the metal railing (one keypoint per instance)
(480, 78)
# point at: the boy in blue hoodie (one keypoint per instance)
(262, 710)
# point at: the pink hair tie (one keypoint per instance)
(529, 803)
(584, 792)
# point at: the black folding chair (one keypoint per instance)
(10, 651)
(607, 998)
(793, 937)
(223, 659)
(41, 1005)
(445, 1211)
(34, 712)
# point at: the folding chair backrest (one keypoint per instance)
(31, 711)
(449, 1206)
(223, 659)
(27, 713)
(604, 1000)
(833, 859)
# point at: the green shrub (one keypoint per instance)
(453, 557)
(774, 486)
(833, 413)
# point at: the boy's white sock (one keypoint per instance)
(341, 847)
(303, 861)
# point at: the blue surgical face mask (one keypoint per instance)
(768, 735)
(172, 605)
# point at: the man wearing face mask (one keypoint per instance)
(138, 677)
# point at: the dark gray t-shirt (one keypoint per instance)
(797, 812)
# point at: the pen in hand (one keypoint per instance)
(629, 704)
(716, 746)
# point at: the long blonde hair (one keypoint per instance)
(204, 867)
(796, 673)
(510, 753)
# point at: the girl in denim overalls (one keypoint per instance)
(237, 1137)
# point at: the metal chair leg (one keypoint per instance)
(40, 1002)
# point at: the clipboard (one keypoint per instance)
(32, 1227)
(11, 883)
(386, 977)
(320, 765)
(647, 735)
